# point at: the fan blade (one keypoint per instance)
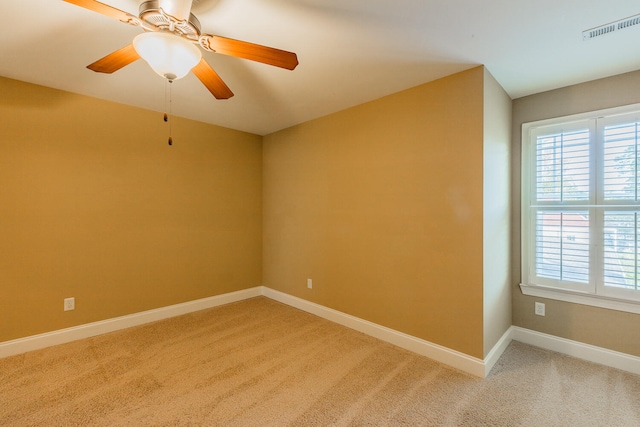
(103, 9)
(115, 60)
(212, 80)
(253, 52)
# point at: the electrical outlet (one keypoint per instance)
(540, 309)
(309, 283)
(69, 304)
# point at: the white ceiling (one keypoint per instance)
(350, 51)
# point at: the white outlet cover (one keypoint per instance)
(539, 310)
(69, 304)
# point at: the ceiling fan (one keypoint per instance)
(171, 34)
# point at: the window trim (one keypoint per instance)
(583, 298)
(536, 290)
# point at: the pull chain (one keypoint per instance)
(166, 116)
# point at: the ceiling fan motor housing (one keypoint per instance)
(151, 13)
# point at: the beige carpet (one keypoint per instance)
(261, 363)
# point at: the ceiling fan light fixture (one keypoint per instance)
(169, 55)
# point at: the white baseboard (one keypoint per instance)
(35, 342)
(591, 353)
(497, 350)
(464, 362)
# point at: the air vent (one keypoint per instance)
(620, 25)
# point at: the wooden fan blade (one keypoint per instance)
(115, 60)
(212, 80)
(253, 52)
(103, 9)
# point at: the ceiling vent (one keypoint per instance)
(612, 27)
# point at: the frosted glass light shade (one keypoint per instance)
(168, 55)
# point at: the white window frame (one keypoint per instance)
(594, 293)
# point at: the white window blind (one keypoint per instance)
(562, 245)
(562, 166)
(621, 250)
(621, 162)
(581, 205)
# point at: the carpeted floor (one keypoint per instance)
(261, 363)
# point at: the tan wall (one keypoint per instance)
(95, 205)
(596, 326)
(381, 205)
(497, 214)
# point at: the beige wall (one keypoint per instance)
(382, 206)
(596, 326)
(497, 215)
(95, 205)
(388, 206)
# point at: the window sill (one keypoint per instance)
(580, 298)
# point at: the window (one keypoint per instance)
(581, 208)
